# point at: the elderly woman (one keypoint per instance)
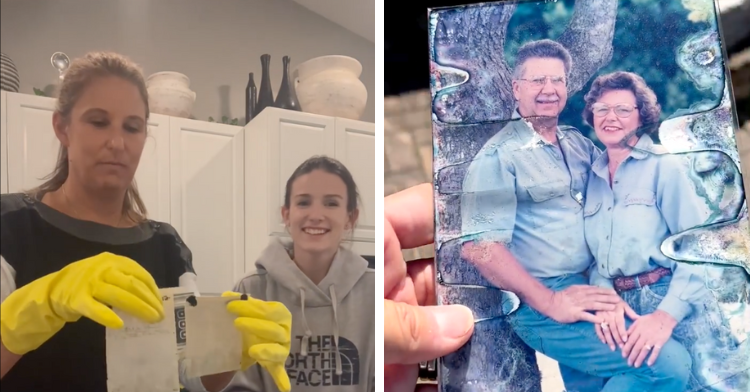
(637, 196)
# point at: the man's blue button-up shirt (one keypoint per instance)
(528, 194)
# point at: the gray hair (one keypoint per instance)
(545, 48)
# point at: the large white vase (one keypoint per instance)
(169, 94)
(330, 86)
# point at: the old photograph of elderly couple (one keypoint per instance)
(588, 196)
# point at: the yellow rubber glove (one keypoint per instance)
(266, 329)
(37, 311)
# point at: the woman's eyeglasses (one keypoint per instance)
(621, 110)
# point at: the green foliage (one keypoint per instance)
(647, 34)
(226, 120)
(39, 92)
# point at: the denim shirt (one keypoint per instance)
(651, 198)
(521, 192)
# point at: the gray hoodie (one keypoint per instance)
(341, 308)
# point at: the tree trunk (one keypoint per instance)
(472, 101)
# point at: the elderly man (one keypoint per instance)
(522, 212)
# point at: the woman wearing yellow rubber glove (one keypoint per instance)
(81, 244)
(265, 328)
(329, 289)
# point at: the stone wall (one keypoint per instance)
(408, 141)
(408, 149)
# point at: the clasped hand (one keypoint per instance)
(647, 334)
(576, 302)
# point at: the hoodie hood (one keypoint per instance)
(346, 270)
(333, 322)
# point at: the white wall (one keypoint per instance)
(214, 42)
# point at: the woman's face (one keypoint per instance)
(105, 134)
(616, 117)
(317, 218)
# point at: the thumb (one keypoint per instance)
(416, 334)
(230, 294)
(279, 375)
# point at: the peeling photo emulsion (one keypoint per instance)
(586, 144)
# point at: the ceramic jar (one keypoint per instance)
(9, 80)
(330, 86)
(169, 94)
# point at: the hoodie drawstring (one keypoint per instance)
(308, 333)
(339, 370)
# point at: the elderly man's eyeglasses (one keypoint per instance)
(621, 110)
(541, 80)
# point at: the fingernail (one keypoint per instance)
(454, 321)
(612, 348)
(625, 339)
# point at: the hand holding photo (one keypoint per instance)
(589, 197)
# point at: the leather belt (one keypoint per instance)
(626, 283)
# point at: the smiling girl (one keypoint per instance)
(329, 289)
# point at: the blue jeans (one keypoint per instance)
(719, 363)
(577, 346)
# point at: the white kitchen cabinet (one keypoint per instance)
(33, 148)
(206, 163)
(32, 144)
(3, 145)
(220, 186)
(355, 148)
(276, 142)
(152, 176)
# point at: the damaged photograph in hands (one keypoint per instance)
(590, 206)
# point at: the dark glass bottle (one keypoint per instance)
(287, 98)
(251, 96)
(265, 94)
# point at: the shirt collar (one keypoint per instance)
(644, 148)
